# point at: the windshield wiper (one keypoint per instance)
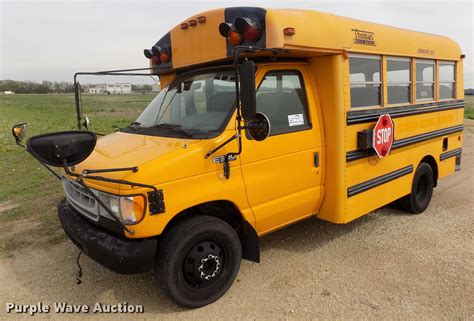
(176, 127)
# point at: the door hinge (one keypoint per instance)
(221, 159)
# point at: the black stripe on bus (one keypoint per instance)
(374, 182)
(371, 115)
(451, 153)
(362, 153)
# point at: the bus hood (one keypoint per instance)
(159, 159)
(126, 150)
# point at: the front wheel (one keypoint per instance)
(421, 190)
(198, 261)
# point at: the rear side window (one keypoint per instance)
(282, 98)
(446, 79)
(424, 79)
(365, 80)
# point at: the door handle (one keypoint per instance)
(316, 159)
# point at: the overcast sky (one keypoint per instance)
(50, 40)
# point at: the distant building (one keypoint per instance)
(9, 92)
(156, 88)
(110, 89)
(469, 92)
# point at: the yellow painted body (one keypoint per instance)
(275, 182)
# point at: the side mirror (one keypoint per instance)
(259, 127)
(247, 89)
(55, 148)
(86, 122)
(19, 132)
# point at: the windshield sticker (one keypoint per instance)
(295, 120)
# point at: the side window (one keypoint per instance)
(424, 79)
(398, 80)
(446, 79)
(365, 80)
(281, 96)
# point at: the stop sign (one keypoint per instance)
(382, 138)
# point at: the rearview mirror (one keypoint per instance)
(19, 132)
(55, 148)
(247, 89)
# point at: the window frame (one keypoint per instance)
(380, 82)
(453, 82)
(416, 82)
(306, 109)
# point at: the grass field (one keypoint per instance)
(28, 193)
(469, 109)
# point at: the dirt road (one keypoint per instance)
(387, 265)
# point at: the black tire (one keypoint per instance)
(198, 260)
(421, 191)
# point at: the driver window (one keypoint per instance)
(282, 98)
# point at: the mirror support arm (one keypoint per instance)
(235, 136)
(77, 101)
(46, 166)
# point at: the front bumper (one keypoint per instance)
(121, 255)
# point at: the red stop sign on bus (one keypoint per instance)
(382, 138)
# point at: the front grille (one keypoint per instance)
(80, 199)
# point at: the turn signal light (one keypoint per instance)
(227, 31)
(234, 38)
(289, 31)
(164, 57)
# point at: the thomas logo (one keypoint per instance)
(362, 37)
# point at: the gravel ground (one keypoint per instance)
(386, 265)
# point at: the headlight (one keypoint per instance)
(130, 209)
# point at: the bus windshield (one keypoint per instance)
(194, 105)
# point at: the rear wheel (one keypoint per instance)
(421, 191)
(198, 261)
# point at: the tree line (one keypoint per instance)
(49, 87)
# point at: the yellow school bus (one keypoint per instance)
(266, 117)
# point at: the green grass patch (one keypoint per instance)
(469, 108)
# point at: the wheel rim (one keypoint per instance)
(422, 188)
(203, 264)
